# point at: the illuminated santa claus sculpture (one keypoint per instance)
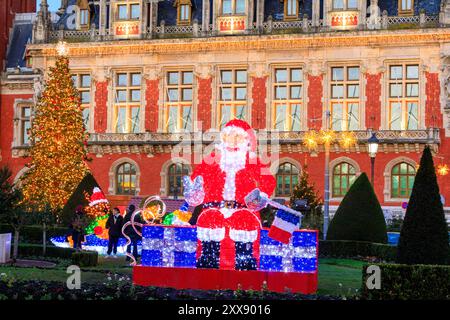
(227, 230)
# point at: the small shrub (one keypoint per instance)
(85, 258)
(29, 250)
(409, 282)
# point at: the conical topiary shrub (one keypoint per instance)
(359, 216)
(77, 198)
(424, 235)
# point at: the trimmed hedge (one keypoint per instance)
(28, 250)
(409, 282)
(351, 249)
(85, 258)
(33, 233)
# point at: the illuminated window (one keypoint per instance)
(405, 7)
(233, 7)
(175, 175)
(291, 9)
(83, 84)
(126, 179)
(344, 93)
(127, 102)
(344, 174)
(128, 11)
(287, 179)
(178, 102)
(183, 11)
(402, 180)
(232, 95)
(287, 98)
(24, 124)
(403, 87)
(345, 4)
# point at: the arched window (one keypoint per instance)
(126, 179)
(402, 180)
(344, 174)
(175, 178)
(287, 179)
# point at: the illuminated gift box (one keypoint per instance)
(300, 255)
(166, 246)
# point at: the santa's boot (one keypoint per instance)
(244, 256)
(210, 255)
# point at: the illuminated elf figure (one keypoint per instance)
(228, 231)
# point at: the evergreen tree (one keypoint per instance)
(424, 235)
(312, 219)
(58, 138)
(359, 216)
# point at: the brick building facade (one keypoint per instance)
(150, 72)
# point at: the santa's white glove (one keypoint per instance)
(193, 191)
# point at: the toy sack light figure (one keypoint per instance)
(227, 229)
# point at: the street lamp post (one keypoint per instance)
(326, 195)
(373, 143)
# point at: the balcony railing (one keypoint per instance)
(268, 27)
(429, 136)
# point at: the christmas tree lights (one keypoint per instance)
(58, 142)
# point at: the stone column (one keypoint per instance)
(206, 16)
(316, 13)
(259, 13)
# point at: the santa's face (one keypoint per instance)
(234, 147)
(234, 140)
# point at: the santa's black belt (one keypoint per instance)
(230, 204)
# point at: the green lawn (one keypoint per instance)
(339, 277)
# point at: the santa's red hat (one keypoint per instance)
(97, 197)
(241, 125)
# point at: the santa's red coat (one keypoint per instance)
(242, 222)
(254, 175)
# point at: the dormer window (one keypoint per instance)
(183, 11)
(290, 9)
(405, 7)
(345, 4)
(230, 7)
(128, 11)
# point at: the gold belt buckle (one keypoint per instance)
(228, 204)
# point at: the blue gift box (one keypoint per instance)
(300, 255)
(169, 246)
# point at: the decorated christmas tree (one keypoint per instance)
(58, 138)
(304, 190)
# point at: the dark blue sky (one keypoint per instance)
(54, 4)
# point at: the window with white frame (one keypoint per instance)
(287, 98)
(290, 9)
(232, 95)
(345, 98)
(345, 4)
(178, 101)
(183, 12)
(127, 102)
(405, 7)
(84, 17)
(287, 178)
(82, 81)
(403, 93)
(233, 7)
(128, 11)
(24, 118)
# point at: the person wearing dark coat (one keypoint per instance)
(130, 232)
(77, 227)
(114, 225)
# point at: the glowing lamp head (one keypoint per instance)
(442, 169)
(372, 144)
(61, 48)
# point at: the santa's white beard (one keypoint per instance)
(230, 163)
